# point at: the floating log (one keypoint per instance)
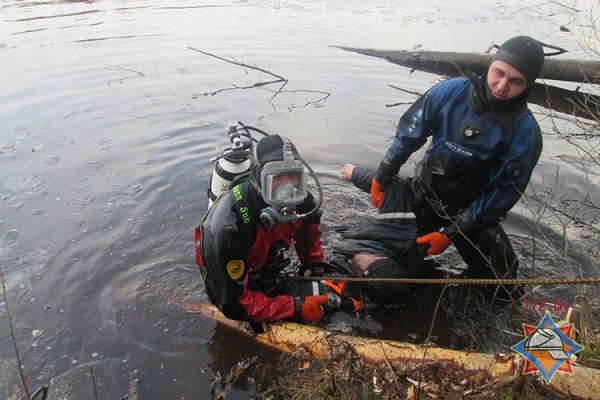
(572, 102)
(454, 63)
(320, 343)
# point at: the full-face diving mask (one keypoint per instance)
(283, 183)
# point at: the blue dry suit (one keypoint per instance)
(479, 162)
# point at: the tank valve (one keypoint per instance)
(232, 127)
(333, 300)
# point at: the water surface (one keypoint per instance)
(105, 150)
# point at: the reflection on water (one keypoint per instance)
(104, 166)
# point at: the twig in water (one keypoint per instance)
(43, 390)
(277, 79)
(133, 73)
(13, 337)
(93, 383)
(402, 103)
(406, 91)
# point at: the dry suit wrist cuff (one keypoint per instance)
(297, 308)
(449, 231)
(461, 224)
(384, 172)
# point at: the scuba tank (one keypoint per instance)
(234, 161)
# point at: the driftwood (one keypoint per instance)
(573, 102)
(320, 343)
(453, 63)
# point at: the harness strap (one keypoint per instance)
(244, 212)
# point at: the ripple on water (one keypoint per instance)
(25, 268)
(143, 303)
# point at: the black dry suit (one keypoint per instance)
(391, 235)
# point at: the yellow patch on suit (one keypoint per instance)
(235, 269)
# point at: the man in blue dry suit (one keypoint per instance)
(484, 146)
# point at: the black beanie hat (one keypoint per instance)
(270, 148)
(523, 53)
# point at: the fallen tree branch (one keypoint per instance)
(559, 50)
(406, 90)
(402, 103)
(278, 79)
(133, 73)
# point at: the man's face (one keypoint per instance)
(504, 81)
(284, 178)
(285, 187)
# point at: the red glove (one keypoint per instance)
(376, 193)
(311, 308)
(437, 241)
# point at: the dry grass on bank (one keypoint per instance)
(302, 379)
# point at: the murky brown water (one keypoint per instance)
(104, 160)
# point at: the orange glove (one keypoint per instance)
(376, 193)
(437, 242)
(311, 308)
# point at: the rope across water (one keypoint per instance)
(459, 281)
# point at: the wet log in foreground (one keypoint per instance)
(320, 343)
